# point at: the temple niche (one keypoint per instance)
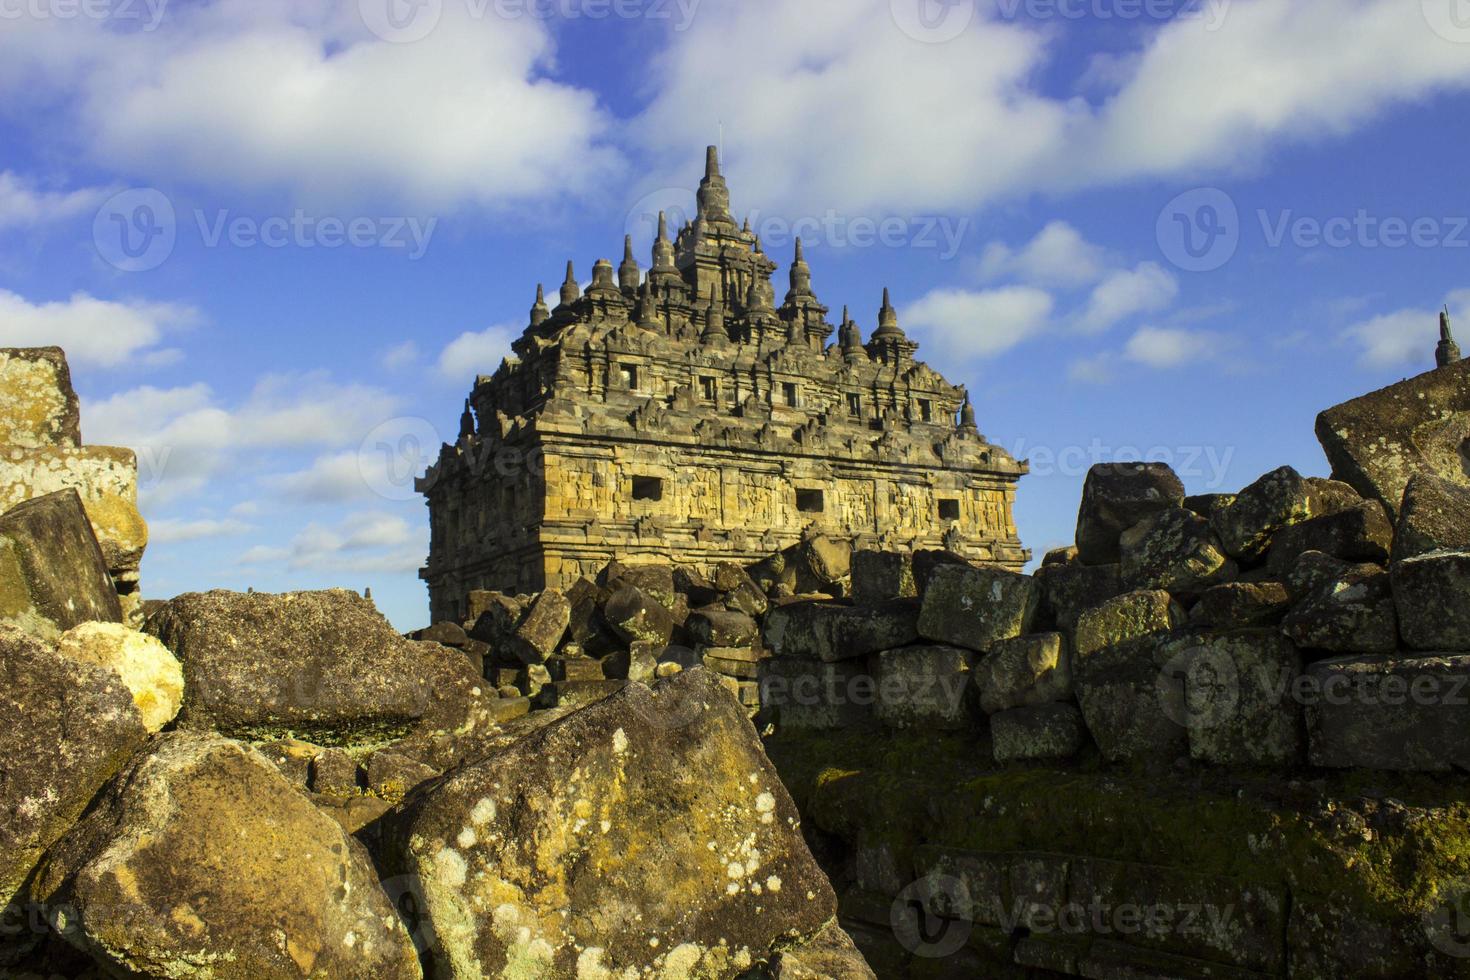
(679, 414)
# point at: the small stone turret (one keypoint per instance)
(603, 287)
(889, 343)
(714, 327)
(539, 313)
(647, 312)
(664, 270)
(570, 291)
(628, 273)
(1447, 352)
(801, 278)
(714, 196)
(967, 417)
(466, 421)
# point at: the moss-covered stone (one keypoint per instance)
(974, 607)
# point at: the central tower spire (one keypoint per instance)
(714, 196)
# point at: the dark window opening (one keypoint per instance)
(788, 389)
(809, 501)
(926, 410)
(648, 488)
(708, 386)
(855, 406)
(630, 375)
(949, 510)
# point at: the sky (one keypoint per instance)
(278, 238)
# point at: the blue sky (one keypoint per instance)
(1132, 227)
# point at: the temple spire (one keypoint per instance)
(570, 291)
(646, 314)
(967, 416)
(466, 422)
(714, 327)
(1447, 352)
(539, 312)
(887, 320)
(628, 276)
(714, 196)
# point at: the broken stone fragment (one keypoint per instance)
(1024, 671)
(1067, 591)
(722, 628)
(1435, 516)
(38, 406)
(69, 726)
(973, 607)
(926, 687)
(541, 629)
(1277, 500)
(829, 955)
(656, 580)
(1242, 604)
(878, 576)
(638, 617)
(1132, 697)
(1352, 612)
(1361, 533)
(446, 633)
(831, 632)
(323, 666)
(828, 560)
(1239, 698)
(1124, 618)
(591, 853)
(201, 858)
(1404, 713)
(1175, 550)
(52, 575)
(1432, 595)
(1117, 496)
(1037, 733)
(146, 666)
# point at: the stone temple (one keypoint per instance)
(681, 414)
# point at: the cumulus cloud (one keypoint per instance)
(1147, 288)
(1404, 337)
(24, 204)
(1059, 255)
(174, 530)
(367, 541)
(334, 478)
(317, 104)
(1168, 347)
(474, 353)
(961, 326)
(95, 332)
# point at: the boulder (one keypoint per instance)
(1117, 496)
(645, 833)
(973, 607)
(1353, 612)
(722, 628)
(1239, 698)
(1174, 550)
(541, 629)
(38, 406)
(1205, 504)
(1065, 555)
(446, 633)
(1377, 442)
(829, 561)
(926, 687)
(1361, 533)
(739, 590)
(1432, 595)
(1434, 516)
(69, 726)
(201, 859)
(52, 574)
(1024, 671)
(322, 666)
(1038, 733)
(1132, 698)
(497, 618)
(878, 576)
(1242, 604)
(1312, 570)
(146, 667)
(1067, 591)
(1277, 500)
(638, 617)
(1404, 713)
(831, 632)
(655, 580)
(1124, 618)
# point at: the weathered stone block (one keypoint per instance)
(334, 773)
(1037, 733)
(393, 776)
(1026, 670)
(1239, 698)
(965, 886)
(38, 406)
(580, 837)
(69, 725)
(722, 628)
(541, 629)
(816, 695)
(1175, 550)
(636, 616)
(829, 955)
(1132, 698)
(299, 895)
(973, 607)
(1277, 500)
(567, 668)
(445, 633)
(52, 575)
(1435, 516)
(1351, 613)
(1124, 618)
(928, 561)
(878, 576)
(1362, 533)
(1432, 595)
(1404, 713)
(656, 580)
(1117, 496)
(832, 632)
(925, 687)
(1067, 591)
(1236, 605)
(576, 694)
(1379, 441)
(144, 665)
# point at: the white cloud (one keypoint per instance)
(1097, 369)
(174, 530)
(1145, 289)
(367, 541)
(24, 204)
(299, 95)
(1405, 338)
(400, 356)
(94, 332)
(1058, 256)
(958, 325)
(1167, 347)
(470, 353)
(334, 478)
